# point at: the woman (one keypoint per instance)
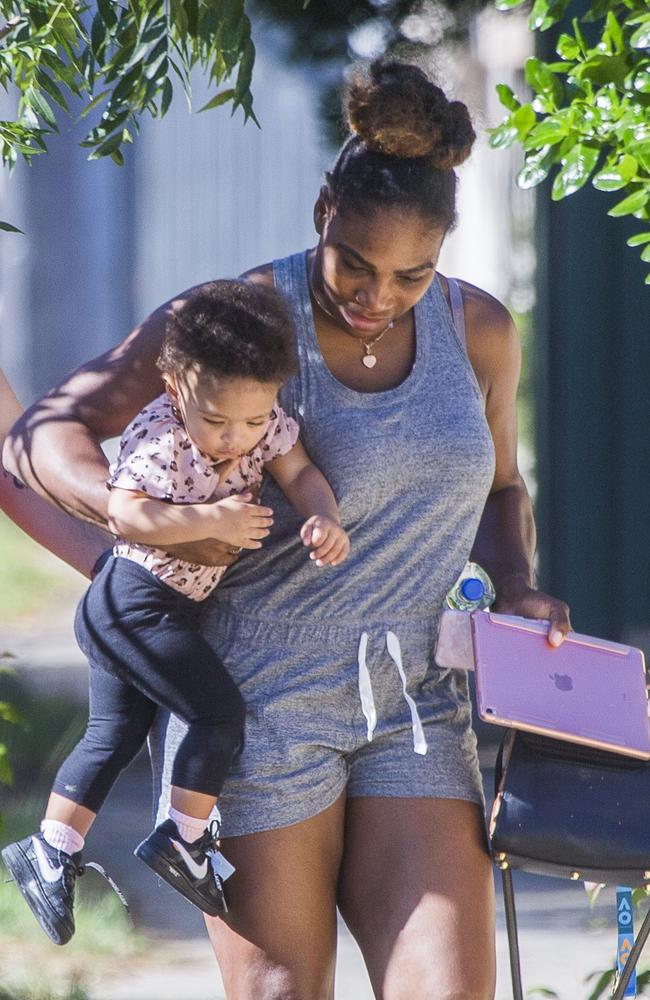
(78, 544)
(358, 784)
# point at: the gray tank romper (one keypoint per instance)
(336, 664)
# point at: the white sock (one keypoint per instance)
(61, 836)
(189, 827)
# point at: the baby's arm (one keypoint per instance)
(141, 518)
(309, 492)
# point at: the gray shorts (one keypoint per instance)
(315, 694)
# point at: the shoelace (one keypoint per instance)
(81, 870)
(209, 842)
(71, 868)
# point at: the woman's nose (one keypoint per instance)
(375, 295)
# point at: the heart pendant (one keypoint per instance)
(369, 360)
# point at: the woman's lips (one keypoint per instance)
(359, 321)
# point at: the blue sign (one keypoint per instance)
(625, 920)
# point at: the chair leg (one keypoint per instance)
(513, 940)
(633, 958)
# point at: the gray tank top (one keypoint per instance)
(411, 468)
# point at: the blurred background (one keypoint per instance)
(203, 196)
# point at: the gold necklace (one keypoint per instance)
(368, 358)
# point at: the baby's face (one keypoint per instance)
(224, 417)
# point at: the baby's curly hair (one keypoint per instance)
(233, 329)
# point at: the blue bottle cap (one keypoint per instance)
(472, 589)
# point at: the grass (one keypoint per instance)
(28, 574)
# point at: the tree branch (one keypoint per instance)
(10, 25)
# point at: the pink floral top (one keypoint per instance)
(158, 458)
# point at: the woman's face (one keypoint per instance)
(370, 270)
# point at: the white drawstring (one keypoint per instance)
(367, 697)
(365, 687)
(395, 653)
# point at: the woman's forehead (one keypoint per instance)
(392, 239)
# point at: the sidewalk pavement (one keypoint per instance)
(561, 940)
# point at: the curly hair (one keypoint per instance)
(234, 329)
(406, 138)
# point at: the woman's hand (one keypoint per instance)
(327, 538)
(207, 552)
(518, 598)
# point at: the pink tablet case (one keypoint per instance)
(588, 690)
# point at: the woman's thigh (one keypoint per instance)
(278, 941)
(417, 892)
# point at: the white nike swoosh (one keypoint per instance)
(48, 873)
(198, 871)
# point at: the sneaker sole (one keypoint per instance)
(174, 877)
(24, 874)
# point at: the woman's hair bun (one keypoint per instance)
(396, 110)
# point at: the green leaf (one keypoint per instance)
(568, 48)
(615, 176)
(10, 714)
(523, 120)
(106, 9)
(638, 239)
(93, 104)
(576, 170)
(507, 97)
(641, 37)
(8, 228)
(647, 279)
(52, 89)
(6, 773)
(642, 81)
(535, 169)
(645, 254)
(539, 76)
(167, 95)
(633, 203)
(98, 37)
(108, 147)
(507, 4)
(613, 33)
(601, 68)
(218, 100)
(503, 135)
(551, 130)
(37, 102)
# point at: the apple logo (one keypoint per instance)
(562, 682)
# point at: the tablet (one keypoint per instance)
(587, 690)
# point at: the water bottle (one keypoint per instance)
(473, 590)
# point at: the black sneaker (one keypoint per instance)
(46, 877)
(185, 866)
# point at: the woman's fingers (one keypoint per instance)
(559, 623)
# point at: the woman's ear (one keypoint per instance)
(322, 209)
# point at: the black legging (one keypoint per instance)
(145, 650)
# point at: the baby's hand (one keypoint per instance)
(329, 541)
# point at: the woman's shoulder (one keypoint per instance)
(261, 275)
(492, 338)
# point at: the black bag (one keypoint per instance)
(571, 811)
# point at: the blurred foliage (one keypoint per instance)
(589, 117)
(114, 62)
(327, 36)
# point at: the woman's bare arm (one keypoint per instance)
(78, 544)
(55, 447)
(506, 538)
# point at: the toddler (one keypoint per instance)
(188, 469)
